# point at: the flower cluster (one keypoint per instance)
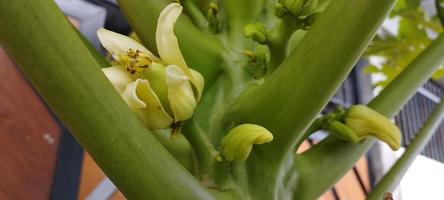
(162, 91)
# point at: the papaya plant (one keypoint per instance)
(215, 99)
(417, 28)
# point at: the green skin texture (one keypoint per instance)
(146, 165)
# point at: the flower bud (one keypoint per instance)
(309, 7)
(280, 10)
(257, 32)
(311, 19)
(213, 19)
(300, 7)
(237, 145)
(366, 122)
(342, 132)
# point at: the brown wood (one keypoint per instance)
(348, 187)
(91, 176)
(28, 138)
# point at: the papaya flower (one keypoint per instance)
(364, 121)
(238, 143)
(162, 91)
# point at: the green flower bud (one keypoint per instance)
(257, 62)
(311, 19)
(366, 122)
(213, 19)
(257, 32)
(280, 10)
(342, 132)
(300, 7)
(309, 7)
(294, 6)
(238, 143)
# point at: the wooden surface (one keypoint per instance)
(91, 177)
(28, 138)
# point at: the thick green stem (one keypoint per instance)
(49, 52)
(201, 51)
(278, 40)
(203, 148)
(389, 182)
(318, 166)
(195, 14)
(202, 5)
(180, 148)
(305, 82)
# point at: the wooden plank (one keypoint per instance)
(28, 137)
(91, 176)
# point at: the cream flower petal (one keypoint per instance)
(199, 82)
(154, 116)
(118, 44)
(165, 39)
(130, 96)
(152, 113)
(180, 93)
(168, 45)
(118, 77)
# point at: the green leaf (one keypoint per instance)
(410, 29)
(371, 69)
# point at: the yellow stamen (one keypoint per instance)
(135, 61)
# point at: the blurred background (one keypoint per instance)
(39, 159)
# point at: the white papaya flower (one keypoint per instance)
(161, 90)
